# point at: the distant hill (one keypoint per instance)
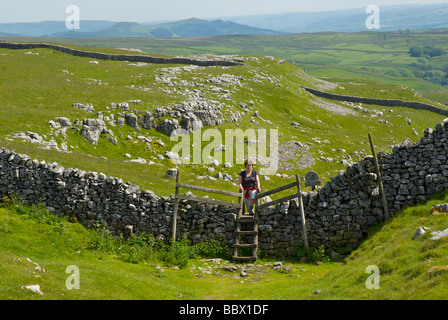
(185, 28)
(45, 28)
(5, 34)
(392, 18)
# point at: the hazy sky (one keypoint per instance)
(151, 10)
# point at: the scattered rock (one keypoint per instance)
(229, 268)
(138, 160)
(440, 234)
(92, 128)
(63, 121)
(34, 288)
(171, 155)
(171, 173)
(420, 231)
(87, 107)
(112, 140)
(123, 105)
(244, 274)
(131, 120)
(160, 143)
(277, 266)
(439, 208)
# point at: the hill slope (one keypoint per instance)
(41, 86)
(36, 247)
(363, 57)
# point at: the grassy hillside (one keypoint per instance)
(40, 85)
(362, 57)
(36, 247)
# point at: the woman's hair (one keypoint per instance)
(248, 161)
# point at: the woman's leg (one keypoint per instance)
(247, 203)
(253, 193)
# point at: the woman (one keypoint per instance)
(250, 183)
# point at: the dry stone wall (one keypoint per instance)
(379, 102)
(338, 214)
(119, 57)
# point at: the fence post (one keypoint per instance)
(176, 205)
(302, 214)
(380, 181)
(241, 210)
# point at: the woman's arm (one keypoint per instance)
(257, 182)
(240, 181)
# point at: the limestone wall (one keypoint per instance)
(379, 102)
(338, 215)
(119, 57)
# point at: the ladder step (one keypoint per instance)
(246, 245)
(248, 233)
(247, 219)
(251, 258)
(238, 232)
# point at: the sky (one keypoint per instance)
(163, 10)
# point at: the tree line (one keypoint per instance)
(425, 68)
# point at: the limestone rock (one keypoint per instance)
(420, 231)
(439, 235)
(92, 128)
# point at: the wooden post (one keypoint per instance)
(385, 207)
(302, 214)
(176, 205)
(241, 210)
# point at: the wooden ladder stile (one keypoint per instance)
(238, 221)
(250, 235)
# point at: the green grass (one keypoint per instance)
(35, 90)
(360, 56)
(408, 269)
